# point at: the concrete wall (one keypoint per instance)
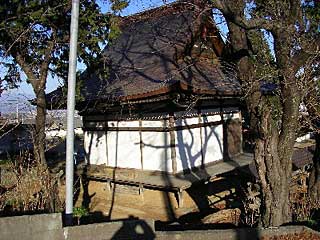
(128, 229)
(49, 226)
(34, 227)
(239, 234)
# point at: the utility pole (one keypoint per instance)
(16, 103)
(70, 111)
(17, 110)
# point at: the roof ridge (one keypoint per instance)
(175, 7)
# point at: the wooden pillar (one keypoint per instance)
(106, 135)
(241, 133)
(141, 143)
(180, 198)
(173, 145)
(108, 185)
(224, 136)
(201, 140)
(141, 191)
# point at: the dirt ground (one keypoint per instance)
(299, 236)
(122, 202)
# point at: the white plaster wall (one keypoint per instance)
(212, 139)
(191, 151)
(231, 116)
(188, 149)
(95, 147)
(147, 123)
(212, 143)
(123, 124)
(123, 146)
(186, 121)
(124, 149)
(156, 151)
(188, 145)
(214, 118)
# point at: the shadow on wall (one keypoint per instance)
(114, 173)
(202, 192)
(197, 148)
(134, 228)
(169, 206)
(191, 146)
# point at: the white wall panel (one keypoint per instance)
(213, 118)
(186, 121)
(231, 116)
(152, 123)
(124, 149)
(188, 145)
(212, 143)
(156, 151)
(123, 124)
(95, 147)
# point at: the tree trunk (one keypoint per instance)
(274, 118)
(39, 131)
(274, 174)
(276, 204)
(273, 164)
(314, 180)
(275, 185)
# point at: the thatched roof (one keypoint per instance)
(161, 50)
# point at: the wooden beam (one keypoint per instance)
(153, 129)
(173, 145)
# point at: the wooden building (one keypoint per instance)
(163, 100)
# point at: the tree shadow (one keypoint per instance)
(132, 227)
(86, 197)
(85, 181)
(170, 208)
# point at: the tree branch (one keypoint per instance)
(26, 68)
(44, 67)
(241, 21)
(303, 55)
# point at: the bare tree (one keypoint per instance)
(274, 118)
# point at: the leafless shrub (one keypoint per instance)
(251, 205)
(29, 188)
(302, 205)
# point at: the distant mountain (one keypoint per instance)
(14, 104)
